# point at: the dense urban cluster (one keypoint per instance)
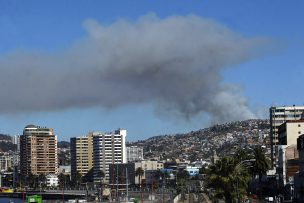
(237, 161)
(202, 144)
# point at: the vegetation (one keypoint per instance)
(230, 176)
(201, 143)
(182, 182)
(261, 163)
(139, 172)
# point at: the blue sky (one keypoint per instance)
(51, 27)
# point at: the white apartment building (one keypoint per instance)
(108, 148)
(16, 141)
(135, 153)
(279, 115)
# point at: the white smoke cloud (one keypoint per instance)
(174, 63)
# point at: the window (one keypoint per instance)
(299, 125)
(299, 132)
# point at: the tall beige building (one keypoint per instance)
(81, 155)
(38, 151)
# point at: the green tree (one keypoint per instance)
(242, 154)
(78, 179)
(31, 180)
(62, 180)
(229, 178)
(41, 181)
(139, 172)
(7, 180)
(182, 182)
(260, 165)
(101, 175)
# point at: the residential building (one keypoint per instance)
(39, 151)
(135, 153)
(288, 133)
(52, 180)
(6, 162)
(299, 176)
(121, 174)
(81, 149)
(16, 141)
(192, 170)
(147, 165)
(108, 148)
(65, 170)
(279, 115)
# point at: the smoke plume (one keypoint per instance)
(174, 63)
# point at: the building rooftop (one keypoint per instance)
(31, 126)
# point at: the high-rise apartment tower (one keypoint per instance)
(38, 151)
(278, 116)
(81, 155)
(108, 148)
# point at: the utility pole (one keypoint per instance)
(127, 183)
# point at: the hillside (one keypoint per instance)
(201, 144)
(6, 144)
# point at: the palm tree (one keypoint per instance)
(229, 178)
(260, 164)
(139, 172)
(242, 154)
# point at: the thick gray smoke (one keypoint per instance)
(174, 63)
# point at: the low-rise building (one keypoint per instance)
(52, 180)
(135, 153)
(192, 170)
(147, 165)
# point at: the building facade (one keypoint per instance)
(52, 180)
(278, 116)
(108, 148)
(135, 153)
(299, 176)
(121, 175)
(38, 146)
(288, 133)
(81, 155)
(6, 162)
(147, 165)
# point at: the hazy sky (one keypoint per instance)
(151, 67)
